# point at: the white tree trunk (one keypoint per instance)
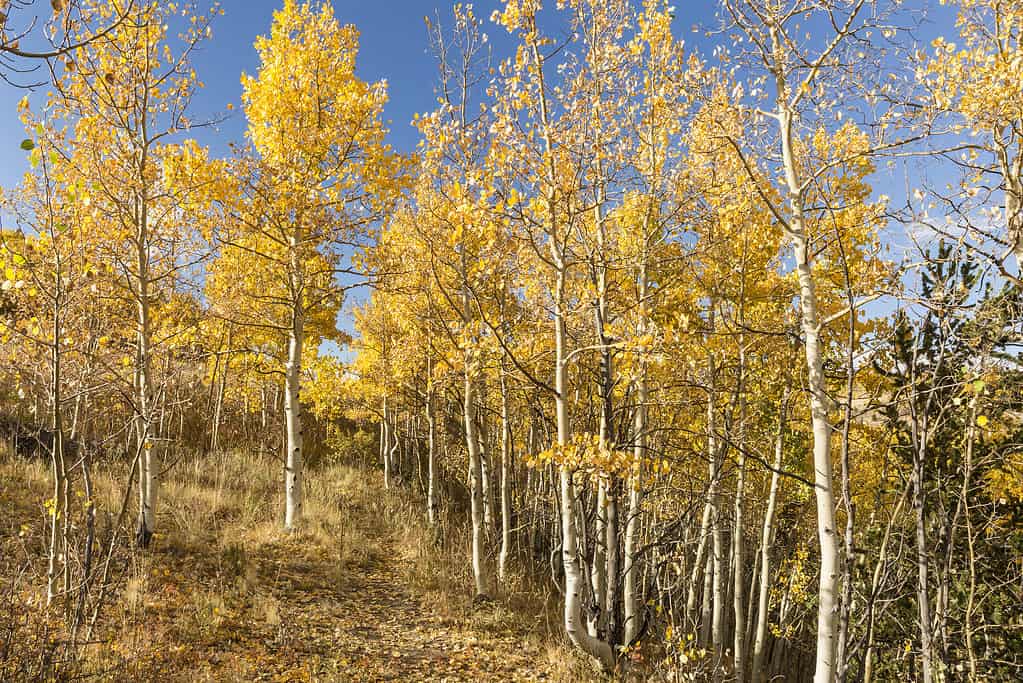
(738, 531)
(149, 470)
(486, 471)
(385, 444)
(394, 455)
(707, 604)
(472, 442)
(717, 530)
(574, 581)
(293, 424)
(475, 481)
(766, 539)
(1012, 175)
(218, 411)
(431, 425)
(487, 460)
(506, 455)
(599, 576)
(631, 589)
(739, 574)
(632, 598)
(59, 511)
(827, 610)
(692, 620)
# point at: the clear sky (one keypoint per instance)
(393, 46)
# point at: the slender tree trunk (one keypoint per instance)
(394, 455)
(385, 444)
(475, 484)
(922, 564)
(827, 603)
(149, 470)
(718, 586)
(964, 500)
(717, 529)
(610, 605)
(218, 411)
(506, 508)
(293, 418)
(475, 480)
(693, 597)
(919, 424)
(293, 475)
(842, 649)
(59, 509)
(598, 567)
(1012, 175)
(631, 598)
(766, 539)
(472, 441)
(486, 460)
(599, 578)
(89, 543)
(574, 581)
(738, 532)
(431, 426)
(707, 604)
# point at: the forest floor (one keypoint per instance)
(363, 591)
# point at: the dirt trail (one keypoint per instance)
(359, 593)
(373, 629)
(304, 620)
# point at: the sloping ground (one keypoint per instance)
(373, 629)
(305, 620)
(225, 596)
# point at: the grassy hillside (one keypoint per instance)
(364, 590)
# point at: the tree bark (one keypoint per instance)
(293, 419)
(738, 531)
(766, 539)
(574, 582)
(431, 453)
(827, 604)
(631, 598)
(149, 470)
(506, 455)
(59, 510)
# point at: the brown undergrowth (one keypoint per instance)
(365, 590)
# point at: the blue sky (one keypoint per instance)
(393, 46)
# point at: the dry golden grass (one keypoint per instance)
(362, 589)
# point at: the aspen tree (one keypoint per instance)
(549, 215)
(977, 85)
(317, 177)
(667, 77)
(127, 97)
(797, 80)
(47, 271)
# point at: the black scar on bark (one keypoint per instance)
(143, 536)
